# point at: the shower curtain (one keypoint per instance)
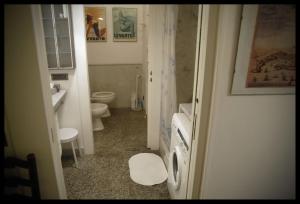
(168, 74)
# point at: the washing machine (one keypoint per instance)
(179, 156)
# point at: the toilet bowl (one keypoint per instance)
(98, 109)
(103, 97)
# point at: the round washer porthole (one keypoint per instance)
(176, 168)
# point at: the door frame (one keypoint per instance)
(203, 91)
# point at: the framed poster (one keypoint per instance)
(124, 24)
(265, 61)
(96, 30)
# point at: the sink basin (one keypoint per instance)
(53, 91)
(58, 98)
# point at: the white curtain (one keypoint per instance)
(168, 74)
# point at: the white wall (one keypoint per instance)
(75, 111)
(120, 79)
(82, 78)
(68, 112)
(120, 53)
(117, 52)
(251, 147)
(9, 149)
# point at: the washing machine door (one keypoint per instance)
(176, 167)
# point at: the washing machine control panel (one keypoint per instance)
(182, 128)
(183, 142)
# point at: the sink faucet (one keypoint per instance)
(57, 87)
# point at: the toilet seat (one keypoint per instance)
(103, 94)
(98, 108)
(104, 97)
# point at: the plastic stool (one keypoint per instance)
(69, 135)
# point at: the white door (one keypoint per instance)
(154, 74)
(44, 77)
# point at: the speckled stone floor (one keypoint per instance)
(105, 175)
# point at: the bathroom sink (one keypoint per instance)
(58, 98)
(53, 91)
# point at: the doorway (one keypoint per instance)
(104, 155)
(105, 174)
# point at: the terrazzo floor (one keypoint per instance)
(105, 175)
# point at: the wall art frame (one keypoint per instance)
(265, 60)
(96, 28)
(124, 24)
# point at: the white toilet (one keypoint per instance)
(98, 109)
(103, 97)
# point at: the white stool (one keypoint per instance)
(69, 135)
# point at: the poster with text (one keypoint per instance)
(265, 58)
(124, 24)
(96, 30)
(272, 60)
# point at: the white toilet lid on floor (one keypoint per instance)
(147, 169)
